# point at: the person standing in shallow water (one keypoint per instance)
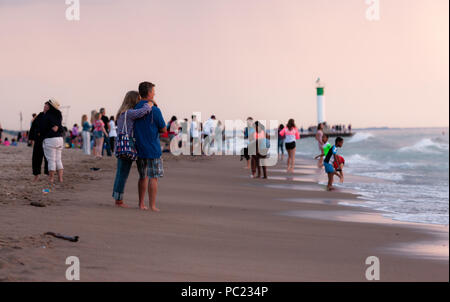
(292, 135)
(319, 139)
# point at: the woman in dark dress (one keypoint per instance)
(36, 138)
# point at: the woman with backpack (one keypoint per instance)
(125, 149)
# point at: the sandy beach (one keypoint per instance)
(215, 224)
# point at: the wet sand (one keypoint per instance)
(215, 224)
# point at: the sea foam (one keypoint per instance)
(360, 136)
(426, 145)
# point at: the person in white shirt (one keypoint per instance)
(209, 132)
(112, 133)
(209, 126)
(194, 134)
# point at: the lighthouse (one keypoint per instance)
(320, 102)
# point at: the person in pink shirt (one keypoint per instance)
(6, 142)
(99, 130)
(291, 134)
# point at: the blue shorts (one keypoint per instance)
(98, 134)
(328, 167)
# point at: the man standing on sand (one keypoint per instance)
(146, 132)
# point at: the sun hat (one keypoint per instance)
(54, 103)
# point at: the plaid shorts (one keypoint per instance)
(150, 167)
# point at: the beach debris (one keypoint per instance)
(37, 204)
(95, 169)
(64, 237)
(45, 191)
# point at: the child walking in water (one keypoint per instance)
(326, 147)
(291, 134)
(329, 169)
(338, 165)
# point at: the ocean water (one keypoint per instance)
(412, 164)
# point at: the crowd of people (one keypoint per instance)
(340, 128)
(138, 133)
(21, 137)
(327, 158)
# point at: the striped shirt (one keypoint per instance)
(132, 115)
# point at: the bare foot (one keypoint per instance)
(121, 204)
(155, 209)
(36, 178)
(143, 207)
(330, 189)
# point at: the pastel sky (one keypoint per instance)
(233, 58)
